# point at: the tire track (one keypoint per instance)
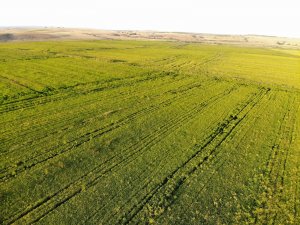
(145, 197)
(206, 61)
(146, 183)
(91, 178)
(165, 191)
(216, 163)
(183, 88)
(279, 183)
(71, 92)
(55, 151)
(19, 83)
(273, 182)
(96, 100)
(296, 194)
(41, 130)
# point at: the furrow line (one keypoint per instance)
(42, 157)
(146, 183)
(296, 198)
(183, 88)
(52, 98)
(281, 173)
(18, 83)
(146, 197)
(112, 216)
(276, 169)
(91, 178)
(176, 179)
(77, 142)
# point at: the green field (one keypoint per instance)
(141, 132)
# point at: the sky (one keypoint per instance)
(263, 17)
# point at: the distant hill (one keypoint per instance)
(42, 34)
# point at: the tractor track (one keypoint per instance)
(175, 179)
(41, 130)
(42, 99)
(91, 178)
(276, 168)
(56, 151)
(146, 184)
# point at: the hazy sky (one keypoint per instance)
(268, 17)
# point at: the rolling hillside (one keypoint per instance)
(140, 132)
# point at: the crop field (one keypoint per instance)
(148, 132)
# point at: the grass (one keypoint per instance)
(139, 132)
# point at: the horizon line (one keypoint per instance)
(143, 30)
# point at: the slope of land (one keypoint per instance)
(139, 132)
(42, 34)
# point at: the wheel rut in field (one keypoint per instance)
(55, 151)
(44, 131)
(169, 186)
(154, 190)
(63, 94)
(50, 203)
(273, 182)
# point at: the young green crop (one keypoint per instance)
(141, 132)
